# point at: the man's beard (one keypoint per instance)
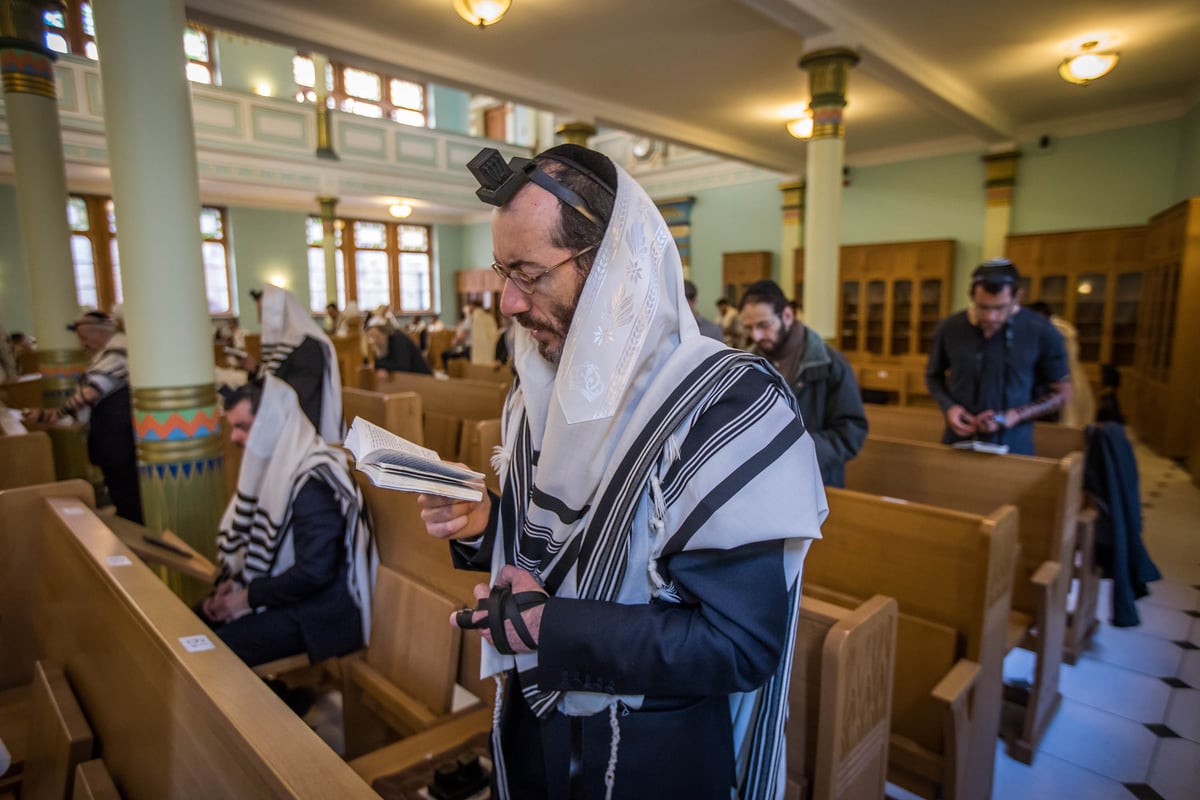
(558, 323)
(776, 343)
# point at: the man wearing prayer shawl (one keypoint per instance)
(659, 493)
(296, 556)
(295, 349)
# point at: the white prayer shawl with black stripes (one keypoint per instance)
(107, 371)
(283, 451)
(607, 426)
(285, 323)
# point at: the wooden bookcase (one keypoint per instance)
(1091, 278)
(891, 296)
(739, 270)
(1165, 378)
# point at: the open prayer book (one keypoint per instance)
(393, 462)
(982, 447)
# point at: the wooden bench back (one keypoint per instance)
(1047, 492)
(447, 405)
(173, 723)
(461, 368)
(438, 342)
(480, 441)
(399, 413)
(92, 782)
(412, 642)
(951, 574)
(405, 547)
(21, 534)
(349, 352)
(921, 424)
(25, 392)
(839, 702)
(59, 736)
(26, 459)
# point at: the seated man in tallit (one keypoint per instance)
(296, 555)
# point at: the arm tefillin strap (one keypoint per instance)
(503, 605)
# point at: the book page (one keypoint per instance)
(365, 438)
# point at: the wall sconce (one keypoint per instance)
(400, 210)
(262, 89)
(1087, 65)
(278, 280)
(802, 128)
(482, 13)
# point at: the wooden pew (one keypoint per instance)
(20, 534)
(92, 782)
(461, 368)
(26, 459)
(951, 575)
(1050, 440)
(172, 722)
(25, 392)
(840, 700)
(349, 352)
(59, 736)
(1048, 494)
(439, 341)
(480, 442)
(399, 413)
(447, 404)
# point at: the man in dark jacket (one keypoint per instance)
(821, 378)
(394, 351)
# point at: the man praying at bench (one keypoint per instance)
(987, 361)
(659, 492)
(394, 351)
(104, 402)
(296, 555)
(821, 378)
(295, 349)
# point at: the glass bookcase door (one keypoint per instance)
(1090, 294)
(851, 310)
(1053, 292)
(1125, 318)
(902, 309)
(876, 303)
(930, 312)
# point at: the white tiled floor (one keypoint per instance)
(1099, 745)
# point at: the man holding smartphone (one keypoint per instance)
(987, 361)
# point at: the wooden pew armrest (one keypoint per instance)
(954, 687)
(399, 709)
(427, 745)
(1046, 575)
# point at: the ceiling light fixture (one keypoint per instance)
(802, 128)
(400, 210)
(482, 13)
(1087, 65)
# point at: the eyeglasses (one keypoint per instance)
(526, 283)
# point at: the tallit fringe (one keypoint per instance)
(498, 769)
(614, 746)
(500, 458)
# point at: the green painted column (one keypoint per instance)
(31, 107)
(152, 156)
(828, 71)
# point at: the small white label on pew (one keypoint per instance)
(115, 561)
(73, 512)
(894, 500)
(196, 644)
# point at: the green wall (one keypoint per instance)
(244, 63)
(1189, 155)
(930, 198)
(1099, 180)
(448, 255)
(450, 109)
(16, 297)
(267, 245)
(732, 219)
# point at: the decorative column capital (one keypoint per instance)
(22, 20)
(576, 132)
(1000, 171)
(26, 65)
(828, 74)
(328, 208)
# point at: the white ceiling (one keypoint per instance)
(721, 75)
